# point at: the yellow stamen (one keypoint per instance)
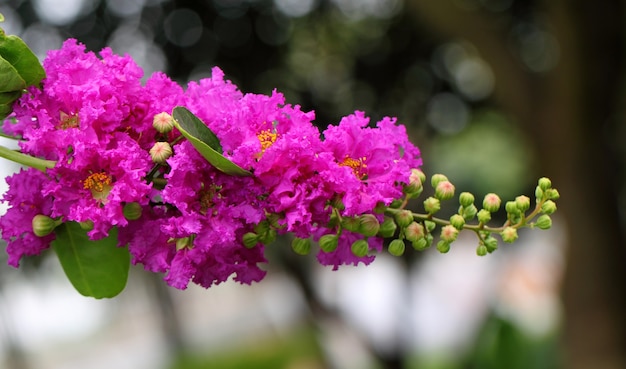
(358, 166)
(68, 121)
(267, 138)
(99, 184)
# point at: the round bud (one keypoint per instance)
(466, 199)
(430, 225)
(301, 246)
(160, 152)
(548, 207)
(163, 122)
(360, 248)
(403, 218)
(415, 185)
(250, 240)
(552, 194)
(421, 244)
(491, 243)
(43, 225)
(432, 205)
(396, 247)
(511, 208)
(539, 193)
(132, 211)
(395, 204)
(436, 178)
(352, 224)
(262, 227)
(457, 221)
(491, 202)
(268, 237)
(509, 234)
(545, 183)
(387, 228)
(522, 202)
(483, 216)
(443, 246)
(328, 242)
(469, 212)
(369, 225)
(444, 190)
(414, 232)
(544, 222)
(380, 207)
(481, 250)
(449, 233)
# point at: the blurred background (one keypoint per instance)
(496, 93)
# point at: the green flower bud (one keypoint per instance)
(415, 185)
(262, 227)
(421, 244)
(369, 225)
(457, 221)
(522, 202)
(539, 193)
(160, 152)
(396, 247)
(466, 199)
(43, 225)
(419, 174)
(395, 204)
(484, 216)
(387, 228)
(380, 207)
(429, 239)
(328, 242)
(86, 225)
(436, 178)
(491, 202)
(491, 243)
(545, 183)
(548, 207)
(481, 250)
(430, 225)
(552, 194)
(414, 232)
(544, 222)
(163, 122)
(511, 208)
(443, 246)
(360, 248)
(509, 234)
(468, 212)
(250, 240)
(444, 190)
(432, 205)
(132, 211)
(337, 203)
(268, 237)
(449, 233)
(352, 224)
(301, 246)
(403, 218)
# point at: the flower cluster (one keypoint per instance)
(120, 162)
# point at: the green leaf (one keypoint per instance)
(10, 80)
(95, 268)
(205, 141)
(17, 53)
(7, 98)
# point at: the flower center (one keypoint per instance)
(358, 166)
(99, 184)
(68, 121)
(267, 138)
(206, 197)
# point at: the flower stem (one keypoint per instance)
(27, 160)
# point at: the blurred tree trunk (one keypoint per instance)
(567, 112)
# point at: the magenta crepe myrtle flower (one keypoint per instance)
(25, 200)
(380, 159)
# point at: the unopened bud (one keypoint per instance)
(466, 199)
(481, 250)
(268, 237)
(43, 225)
(522, 202)
(415, 185)
(337, 203)
(414, 232)
(457, 221)
(443, 246)
(352, 224)
(163, 122)
(436, 178)
(396, 247)
(250, 240)
(483, 216)
(421, 244)
(387, 228)
(511, 208)
(403, 218)
(160, 152)
(548, 207)
(360, 248)
(432, 205)
(468, 212)
(369, 225)
(509, 234)
(380, 207)
(395, 204)
(444, 190)
(491, 202)
(430, 225)
(132, 211)
(539, 193)
(552, 194)
(301, 246)
(545, 183)
(491, 243)
(328, 242)
(449, 233)
(544, 222)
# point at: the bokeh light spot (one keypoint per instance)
(183, 27)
